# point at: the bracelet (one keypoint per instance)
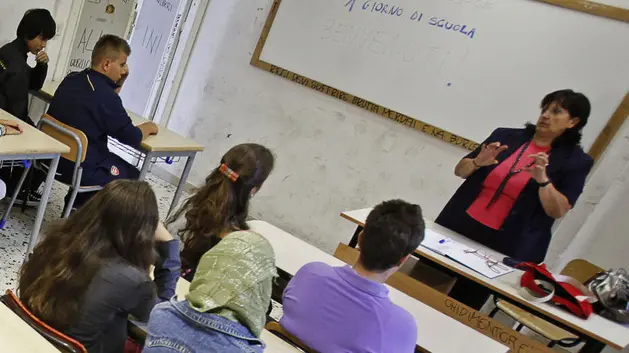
(544, 184)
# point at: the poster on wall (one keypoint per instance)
(99, 17)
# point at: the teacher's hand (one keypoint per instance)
(488, 154)
(538, 169)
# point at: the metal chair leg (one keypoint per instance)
(494, 312)
(27, 190)
(74, 190)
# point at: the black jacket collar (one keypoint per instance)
(20, 45)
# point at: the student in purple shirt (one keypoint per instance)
(345, 309)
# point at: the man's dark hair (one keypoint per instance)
(393, 229)
(109, 46)
(37, 22)
(577, 105)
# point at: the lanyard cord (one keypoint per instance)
(511, 173)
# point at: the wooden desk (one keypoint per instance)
(16, 336)
(596, 330)
(165, 144)
(32, 144)
(274, 344)
(436, 332)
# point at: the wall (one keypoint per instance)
(331, 156)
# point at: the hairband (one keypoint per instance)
(230, 174)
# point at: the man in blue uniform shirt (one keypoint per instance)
(89, 101)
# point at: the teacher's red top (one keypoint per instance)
(495, 215)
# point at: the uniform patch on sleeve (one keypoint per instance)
(115, 171)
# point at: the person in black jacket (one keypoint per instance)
(517, 183)
(17, 78)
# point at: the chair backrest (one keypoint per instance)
(62, 342)
(69, 136)
(581, 270)
(279, 331)
(347, 254)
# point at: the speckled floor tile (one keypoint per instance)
(15, 235)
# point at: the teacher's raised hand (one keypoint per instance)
(488, 154)
(538, 169)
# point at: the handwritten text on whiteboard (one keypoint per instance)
(378, 7)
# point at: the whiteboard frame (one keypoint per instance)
(602, 141)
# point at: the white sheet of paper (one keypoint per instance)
(461, 253)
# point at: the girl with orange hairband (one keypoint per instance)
(221, 206)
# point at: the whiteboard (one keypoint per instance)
(98, 17)
(465, 66)
(152, 41)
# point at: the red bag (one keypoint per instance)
(561, 290)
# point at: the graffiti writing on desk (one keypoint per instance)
(95, 1)
(151, 40)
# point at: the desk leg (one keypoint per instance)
(592, 346)
(145, 165)
(50, 178)
(182, 183)
(354, 241)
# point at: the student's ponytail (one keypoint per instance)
(222, 204)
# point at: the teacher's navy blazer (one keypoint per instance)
(526, 232)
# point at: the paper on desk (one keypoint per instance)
(437, 242)
(464, 255)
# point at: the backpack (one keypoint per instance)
(612, 290)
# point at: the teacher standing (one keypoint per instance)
(519, 181)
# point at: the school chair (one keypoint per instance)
(62, 342)
(279, 331)
(579, 269)
(77, 141)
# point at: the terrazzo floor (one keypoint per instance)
(16, 233)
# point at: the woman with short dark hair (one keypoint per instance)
(519, 181)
